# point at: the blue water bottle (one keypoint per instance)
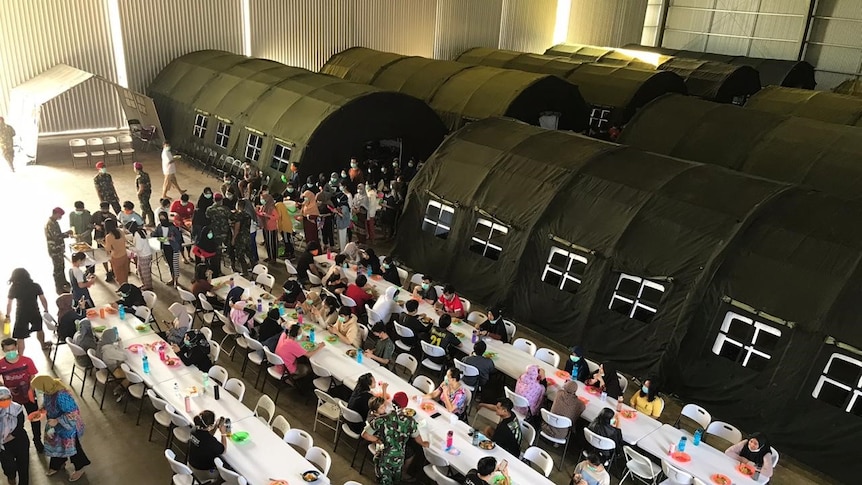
(359, 356)
(311, 335)
(697, 435)
(122, 311)
(681, 445)
(368, 271)
(281, 309)
(146, 365)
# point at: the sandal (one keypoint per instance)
(74, 477)
(51, 471)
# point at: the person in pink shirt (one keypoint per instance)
(290, 351)
(269, 222)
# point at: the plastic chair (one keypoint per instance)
(102, 374)
(424, 384)
(229, 329)
(230, 477)
(602, 444)
(466, 304)
(265, 280)
(432, 351)
(137, 389)
(408, 362)
(674, 475)
(319, 458)
(525, 345)
(160, 417)
(528, 433)
(291, 269)
(518, 400)
(442, 479)
(324, 380)
(178, 310)
(208, 334)
(265, 404)
(126, 147)
(511, 328)
(476, 318)
(259, 269)
(276, 370)
(725, 431)
(219, 374)
(215, 350)
(299, 438)
(112, 148)
(236, 387)
(78, 148)
(559, 422)
(373, 317)
(402, 275)
(639, 466)
(96, 148)
(182, 427)
(280, 426)
(206, 310)
(314, 279)
(540, 458)
(182, 473)
(77, 351)
(775, 456)
(548, 356)
(348, 416)
(144, 314)
(327, 406)
(255, 355)
(467, 370)
(699, 415)
(150, 298)
(347, 301)
(51, 325)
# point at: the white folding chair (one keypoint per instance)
(347, 301)
(639, 466)
(467, 370)
(150, 298)
(280, 426)
(215, 350)
(206, 311)
(465, 303)
(178, 310)
(540, 458)
(182, 473)
(476, 318)
(218, 374)
(300, 439)
(408, 362)
(77, 351)
(137, 389)
(548, 356)
(519, 401)
(291, 269)
(601, 443)
(112, 148)
(436, 462)
(348, 417)
(725, 431)
(265, 409)
(102, 374)
(402, 275)
(442, 479)
(373, 317)
(78, 147)
(190, 301)
(327, 406)
(236, 387)
(144, 314)
(510, 329)
(259, 269)
(319, 458)
(559, 422)
(126, 147)
(161, 416)
(96, 148)
(230, 477)
(424, 384)
(403, 333)
(208, 334)
(525, 345)
(51, 325)
(528, 433)
(265, 280)
(182, 428)
(313, 279)
(324, 380)
(699, 415)
(230, 331)
(431, 351)
(416, 279)
(255, 355)
(775, 456)
(624, 383)
(276, 370)
(674, 475)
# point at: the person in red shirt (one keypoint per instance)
(290, 351)
(360, 293)
(183, 211)
(449, 303)
(17, 371)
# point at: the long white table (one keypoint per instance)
(705, 460)
(127, 328)
(227, 405)
(251, 294)
(633, 429)
(159, 371)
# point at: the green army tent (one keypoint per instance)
(773, 72)
(715, 81)
(461, 93)
(823, 106)
(613, 93)
(274, 115)
(853, 87)
(711, 281)
(824, 156)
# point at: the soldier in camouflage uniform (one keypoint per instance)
(219, 217)
(105, 187)
(392, 431)
(56, 250)
(241, 239)
(144, 189)
(7, 143)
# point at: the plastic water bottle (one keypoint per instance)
(475, 336)
(146, 365)
(311, 335)
(232, 284)
(206, 381)
(227, 427)
(122, 312)
(281, 309)
(697, 435)
(681, 445)
(328, 253)
(162, 353)
(299, 315)
(368, 271)
(604, 396)
(359, 356)
(475, 435)
(177, 390)
(449, 436)
(259, 305)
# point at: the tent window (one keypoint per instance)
(746, 341)
(130, 99)
(488, 239)
(222, 134)
(599, 118)
(438, 219)
(564, 269)
(253, 147)
(840, 384)
(636, 297)
(280, 158)
(200, 125)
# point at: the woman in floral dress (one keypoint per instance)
(64, 427)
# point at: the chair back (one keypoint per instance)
(131, 375)
(674, 475)
(424, 384)
(442, 479)
(176, 467)
(373, 317)
(465, 303)
(511, 328)
(205, 304)
(555, 420)
(215, 350)
(599, 442)
(402, 331)
(624, 383)
(697, 414)
(291, 269)
(432, 350)
(77, 351)
(259, 269)
(208, 333)
(158, 403)
(548, 356)
(775, 457)
(518, 400)
(319, 458)
(467, 370)
(253, 345)
(266, 280)
(178, 419)
(540, 458)
(408, 362)
(236, 387)
(150, 298)
(525, 345)
(230, 477)
(416, 279)
(320, 371)
(177, 309)
(639, 464)
(280, 425)
(272, 358)
(348, 414)
(724, 431)
(402, 275)
(49, 321)
(143, 313)
(347, 301)
(265, 405)
(314, 279)
(186, 296)
(219, 374)
(476, 317)
(299, 438)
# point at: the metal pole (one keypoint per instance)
(812, 9)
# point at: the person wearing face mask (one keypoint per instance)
(115, 247)
(144, 189)
(309, 216)
(393, 432)
(755, 451)
(199, 217)
(590, 472)
(105, 186)
(99, 219)
(206, 249)
(449, 303)
(143, 256)
(607, 424)
(577, 365)
(373, 206)
(359, 211)
(347, 327)
(56, 241)
(219, 217)
(647, 401)
(290, 193)
(494, 327)
(169, 169)
(426, 290)
(172, 244)
(341, 214)
(410, 171)
(390, 208)
(17, 371)
(204, 448)
(291, 352)
(63, 426)
(241, 237)
(195, 350)
(305, 262)
(183, 211)
(229, 185)
(128, 215)
(326, 314)
(81, 222)
(355, 172)
(164, 207)
(268, 217)
(390, 271)
(15, 453)
(452, 394)
(606, 379)
(284, 224)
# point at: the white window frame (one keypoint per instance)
(253, 145)
(222, 137)
(601, 121)
(749, 347)
(486, 243)
(635, 303)
(856, 391)
(279, 159)
(566, 274)
(200, 129)
(442, 207)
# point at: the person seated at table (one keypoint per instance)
(328, 316)
(291, 352)
(335, 273)
(360, 292)
(531, 386)
(233, 295)
(483, 364)
(305, 262)
(606, 379)
(566, 404)
(67, 315)
(646, 400)
(352, 253)
(369, 259)
(86, 339)
(241, 316)
(494, 327)
(178, 328)
(443, 338)
(607, 425)
(426, 290)
(507, 433)
(195, 350)
(271, 325)
(390, 271)
(202, 284)
(293, 294)
(131, 297)
(347, 327)
(204, 448)
(311, 303)
(452, 394)
(485, 472)
(755, 451)
(577, 365)
(386, 306)
(411, 319)
(384, 348)
(360, 398)
(449, 303)
(337, 282)
(590, 472)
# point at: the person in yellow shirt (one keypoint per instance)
(647, 401)
(285, 226)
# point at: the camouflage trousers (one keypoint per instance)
(387, 468)
(59, 264)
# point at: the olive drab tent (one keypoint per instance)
(273, 115)
(824, 156)
(823, 106)
(715, 81)
(773, 72)
(853, 87)
(614, 93)
(735, 291)
(461, 93)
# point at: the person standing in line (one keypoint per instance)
(391, 433)
(172, 243)
(64, 427)
(99, 219)
(219, 217)
(169, 169)
(115, 246)
(241, 238)
(144, 188)
(81, 281)
(28, 294)
(143, 255)
(285, 226)
(105, 187)
(269, 222)
(56, 248)
(15, 455)
(7, 143)
(17, 371)
(81, 222)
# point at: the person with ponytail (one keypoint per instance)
(204, 448)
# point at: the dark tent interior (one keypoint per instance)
(716, 280)
(275, 115)
(823, 106)
(823, 156)
(461, 93)
(613, 93)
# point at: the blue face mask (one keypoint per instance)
(574, 358)
(645, 390)
(613, 421)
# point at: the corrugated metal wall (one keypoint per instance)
(155, 32)
(462, 24)
(35, 35)
(395, 25)
(612, 23)
(834, 45)
(528, 25)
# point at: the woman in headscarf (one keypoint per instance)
(271, 326)
(108, 349)
(565, 404)
(199, 217)
(130, 296)
(606, 379)
(195, 350)
(335, 278)
(310, 213)
(293, 294)
(390, 271)
(755, 451)
(369, 259)
(268, 217)
(206, 248)
(386, 306)
(577, 364)
(359, 209)
(64, 427)
(115, 247)
(86, 339)
(66, 316)
(14, 445)
(531, 385)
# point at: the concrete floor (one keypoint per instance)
(118, 449)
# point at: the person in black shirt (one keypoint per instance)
(390, 271)
(507, 434)
(494, 327)
(359, 399)
(483, 474)
(305, 262)
(442, 337)
(577, 365)
(484, 365)
(195, 350)
(607, 425)
(426, 290)
(369, 259)
(204, 448)
(410, 319)
(271, 325)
